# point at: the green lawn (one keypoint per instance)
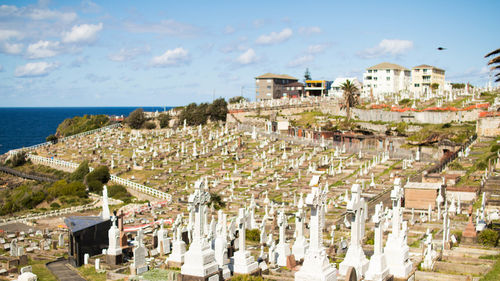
(494, 273)
(43, 273)
(88, 272)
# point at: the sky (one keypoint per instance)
(171, 53)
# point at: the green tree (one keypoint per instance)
(307, 75)
(51, 138)
(237, 99)
(80, 172)
(164, 120)
(18, 159)
(495, 62)
(218, 110)
(488, 237)
(136, 119)
(77, 124)
(351, 97)
(216, 201)
(434, 87)
(100, 174)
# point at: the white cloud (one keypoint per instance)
(316, 49)
(386, 47)
(301, 61)
(43, 49)
(128, 54)
(6, 10)
(12, 48)
(309, 30)
(247, 57)
(229, 29)
(46, 14)
(175, 57)
(84, 33)
(35, 69)
(168, 27)
(275, 37)
(6, 34)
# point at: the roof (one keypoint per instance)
(388, 65)
(294, 84)
(427, 66)
(275, 76)
(76, 224)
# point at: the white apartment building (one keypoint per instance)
(385, 78)
(335, 89)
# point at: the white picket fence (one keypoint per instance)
(55, 213)
(70, 166)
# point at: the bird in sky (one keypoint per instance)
(441, 48)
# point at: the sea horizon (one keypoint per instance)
(27, 126)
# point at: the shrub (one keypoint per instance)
(100, 174)
(252, 235)
(150, 125)
(51, 138)
(119, 192)
(18, 159)
(80, 172)
(164, 119)
(55, 205)
(488, 237)
(370, 236)
(77, 124)
(136, 119)
(446, 125)
(95, 186)
(458, 235)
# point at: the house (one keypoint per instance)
(273, 86)
(385, 78)
(335, 89)
(423, 76)
(317, 88)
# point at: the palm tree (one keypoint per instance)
(351, 97)
(495, 61)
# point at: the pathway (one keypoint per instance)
(61, 269)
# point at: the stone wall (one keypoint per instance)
(332, 107)
(488, 126)
(426, 117)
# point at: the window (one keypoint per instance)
(417, 85)
(388, 78)
(388, 71)
(269, 87)
(425, 70)
(369, 71)
(269, 94)
(269, 80)
(374, 71)
(375, 78)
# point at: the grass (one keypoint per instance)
(494, 273)
(43, 273)
(89, 273)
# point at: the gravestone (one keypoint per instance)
(139, 265)
(114, 251)
(377, 268)
(283, 248)
(199, 260)
(355, 255)
(176, 258)
(300, 245)
(242, 262)
(316, 266)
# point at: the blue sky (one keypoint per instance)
(156, 53)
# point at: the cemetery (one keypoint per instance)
(236, 200)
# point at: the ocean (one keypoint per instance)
(26, 126)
